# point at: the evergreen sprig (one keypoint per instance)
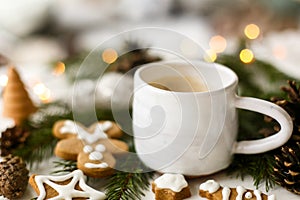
(40, 144)
(128, 185)
(130, 181)
(65, 166)
(258, 166)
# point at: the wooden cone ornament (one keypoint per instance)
(16, 101)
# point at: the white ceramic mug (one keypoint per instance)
(194, 133)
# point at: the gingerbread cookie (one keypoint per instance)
(65, 187)
(213, 191)
(171, 187)
(92, 147)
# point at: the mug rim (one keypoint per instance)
(232, 83)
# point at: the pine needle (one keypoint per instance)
(65, 166)
(129, 183)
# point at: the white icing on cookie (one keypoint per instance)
(240, 191)
(105, 126)
(72, 127)
(248, 195)
(67, 192)
(91, 138)
(271, 197)
(100, 148)
(226, 193)
(257, 194)
(95, 155)
(211, 186)
(93, 165)
(68, 127)
(174, 182)
(87, 149)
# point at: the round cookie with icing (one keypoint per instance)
(92, 148)
(213, 191)
(69, 186)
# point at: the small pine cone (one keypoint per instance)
(12, 138)
(287, 167)
(13, 177)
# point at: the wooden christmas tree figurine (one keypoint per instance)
(16, 101)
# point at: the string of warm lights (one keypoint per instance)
(43, 92)
(218, 44)
(251, 31)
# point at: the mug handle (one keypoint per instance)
(268, 143)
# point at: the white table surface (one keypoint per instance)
(221, 177)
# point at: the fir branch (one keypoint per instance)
(258, 79)
(128, 185)
(66, 166)
(40, 144)
(259, 167)
(38, 147)
(130, 182)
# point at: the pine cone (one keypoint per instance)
(12, 138)
(287, 159)
(136, 56)
(13, 177)
(287, 167)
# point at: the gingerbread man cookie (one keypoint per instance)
(67, 187)
(213, 191)
(92, 147)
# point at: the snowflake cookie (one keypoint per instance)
(67, 187)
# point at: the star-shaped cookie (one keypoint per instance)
(67, 187)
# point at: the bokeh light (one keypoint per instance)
(252, 31)
(109, 55)
(210, 56)
(3, 80)
(246, 56)
(42, 92)
(218, 44)
(59, 68)
(45, 96)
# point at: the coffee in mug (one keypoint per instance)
(180, 84)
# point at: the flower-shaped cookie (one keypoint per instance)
(92, 147)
